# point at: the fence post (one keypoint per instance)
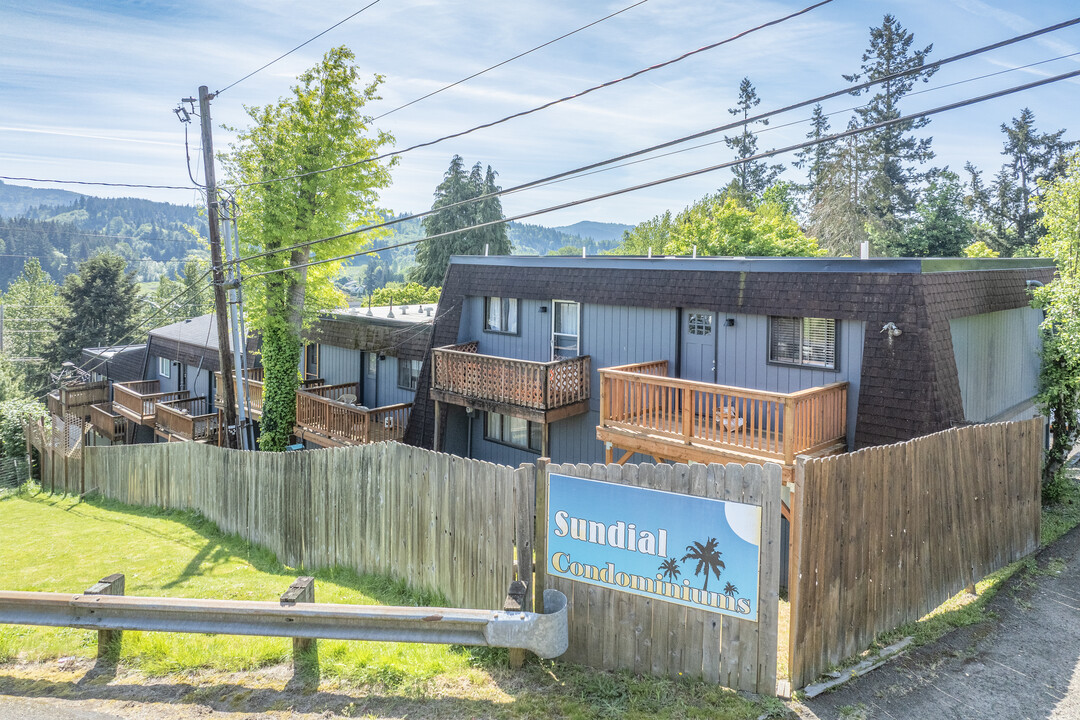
(301, 591)
(108, 641)
(515, 602)
(540, 541)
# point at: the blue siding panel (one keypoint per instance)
(997, 361)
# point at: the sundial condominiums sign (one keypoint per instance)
(693, 551)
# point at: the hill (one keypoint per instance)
(598, 231)
(15, 200)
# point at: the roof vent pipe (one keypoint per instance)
(1033, 283)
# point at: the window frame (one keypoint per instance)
(417, 364)
(534, 432)
(164, 368)
(509, 314)
(554, 334)
(803, 361)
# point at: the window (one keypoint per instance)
(372, 364)
(565, 333)
(810, 342)
(501, 315)
(408, 373)
(164, 367)
(700, 323)
(514, 432)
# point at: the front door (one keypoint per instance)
(699, 345)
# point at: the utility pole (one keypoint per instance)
(220, 302)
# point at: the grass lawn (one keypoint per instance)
(60, 544)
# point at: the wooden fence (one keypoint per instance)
(60, 452)
(433, 520)
(882, 536)
(619, 631)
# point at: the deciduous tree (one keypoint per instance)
(320, 126)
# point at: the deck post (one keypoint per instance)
(789, 432)
(108, 643)
(687, 413)
(438, 413)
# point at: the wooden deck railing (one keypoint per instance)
(187, 419)
(776, 426)
(253, 386)
(77, 399)
(461, 370)
(137, 400)
(107, 423)
(318, 410)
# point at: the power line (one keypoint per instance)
(582, 93)
(101, 184)
(583, 170)
(681, 176)
(309, 40)
(509, 60)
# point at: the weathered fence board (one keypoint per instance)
(436, 522)
(884, 535)
(619, 631)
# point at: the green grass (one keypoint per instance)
(66, 545)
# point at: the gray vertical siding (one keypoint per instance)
(619, 335)
(338, 365)
(997, 360)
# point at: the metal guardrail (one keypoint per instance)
(544, 634)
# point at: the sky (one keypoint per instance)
(87, 89)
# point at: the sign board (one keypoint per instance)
(677, 548)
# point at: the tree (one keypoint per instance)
(752, 176)
(722, 226)
(320, 126)
(100, 305)
(452, 198)
(889, 156)
(816, 158)
(941, 228)
(838, 215)
(670, 569)
(1059, 376)
(31, 306)
(1009, 206)
(707, 557)
(187, 294)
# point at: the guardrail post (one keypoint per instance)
(515, 602)
(108, 641)
(301, 591)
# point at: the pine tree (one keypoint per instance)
(838, 217)
(433, 256)
(890, 156)
(753, 176)
(816, 158)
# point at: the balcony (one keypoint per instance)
(107, 423)
(642, 410)
(187, 420)
(137, 400)
(537, 391)
(327, 416)
(76, 399)
(253, 390)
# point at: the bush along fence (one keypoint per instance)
(882, 536)
(878, 538)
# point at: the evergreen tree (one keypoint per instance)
(31, 305)
(1009, 206)
(753, 176)
(942, 227)
(890, 156)
(838, 216)
(433, 256)
(816, 158)
(101, 303)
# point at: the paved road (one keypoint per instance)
(47, 709)
(1026, 665)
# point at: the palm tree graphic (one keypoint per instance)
(730, 589)
(670, 568)
(707, 557)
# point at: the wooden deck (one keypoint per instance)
(324, 419)
(137, 400)
(108, 423)
(75, 400)
(537, 391)
(253, 390)
(187, 420)
(644, 411)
